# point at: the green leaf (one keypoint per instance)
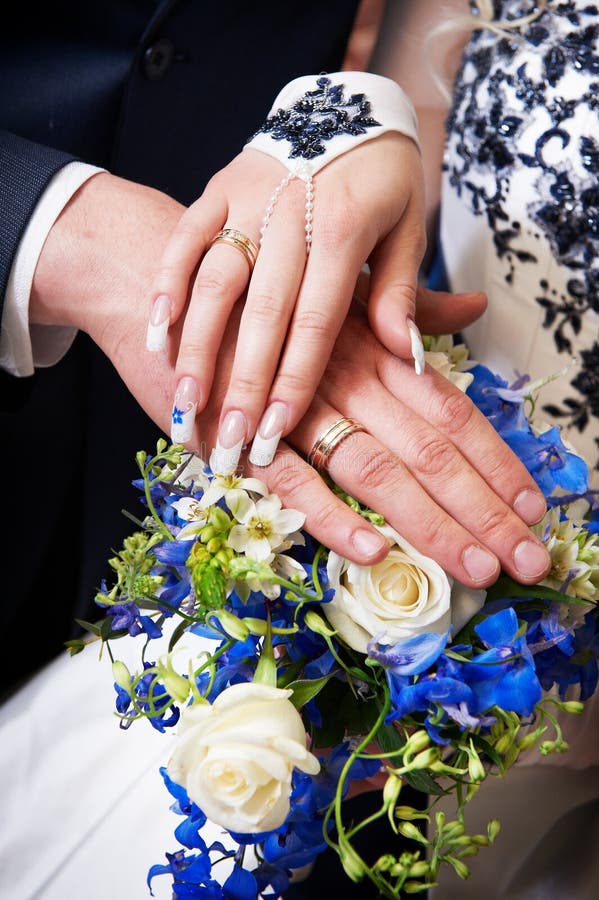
(305, 689)
(424, 782)
(389, 739)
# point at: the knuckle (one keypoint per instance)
(292, 480)
(490, 522)
(315, 322)
(433, 456)
(245, 384)
(456, 412)
(212, 282)
(290, 383)
(266, 309)
(432, 531)
(322, 515)
(379, 469)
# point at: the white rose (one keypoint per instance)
(235, 757)
(404, 595)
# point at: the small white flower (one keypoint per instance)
(228, 486)
(263, 527)
(194, 474)
(574, 557)
(189, 509)
(444, 366)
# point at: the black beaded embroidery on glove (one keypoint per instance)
(317, 117)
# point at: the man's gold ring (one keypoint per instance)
(240, 241)
(330, 439)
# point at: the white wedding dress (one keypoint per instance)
(520, 221)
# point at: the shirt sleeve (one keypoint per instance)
(23, 347)
(316, 118)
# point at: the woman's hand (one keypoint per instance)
(368, 207)
(431, 464)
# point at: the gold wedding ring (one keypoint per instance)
(240, 241)
(330, 439)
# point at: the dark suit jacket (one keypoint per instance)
(164, 93)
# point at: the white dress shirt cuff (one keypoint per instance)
(24, 347)
(316, 118)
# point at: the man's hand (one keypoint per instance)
(430, 463)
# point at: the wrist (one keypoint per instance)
(99, 253)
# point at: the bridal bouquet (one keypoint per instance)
(291, 675)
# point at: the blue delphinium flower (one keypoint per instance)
(504, 675)
(575, 663)
(150, 697)
(549, 462)
(411, 656)
(502, 405)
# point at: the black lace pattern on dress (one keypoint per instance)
(317, 117)
(495, 99)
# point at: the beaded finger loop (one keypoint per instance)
(306, 175)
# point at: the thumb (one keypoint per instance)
(440, 312)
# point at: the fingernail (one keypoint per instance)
(417, 346)
(270, 429)
(480, 564)
(229, 443)
(158, 324)
(369, 544)
(530, 506)
(531, 559)
(183, 416)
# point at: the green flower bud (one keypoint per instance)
(461, 868)
(417, 741)
(419, 869)
(391, 790)
(121, 675)
(411, 832)
(414, 887)
(214, 545)
(426, 759)
(207, 533)
(317, 624)
(476, 770)
(453, 830)
(234, 627)
(408, 812)
(572, 706)
(504, 743)
(527, 742)
(384, 863)
(352, 864)
(493, 829)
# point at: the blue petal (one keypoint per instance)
(412, 656)
(240, 885)
(173, 553)
(499, 629)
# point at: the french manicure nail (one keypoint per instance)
(417, 346)
(158, 324)
(183, 416)
(530, 506)
(480, 564)
(270, 429)
(368, 544)
(229, 443)
(531, 559)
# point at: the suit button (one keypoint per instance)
(158, 59)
